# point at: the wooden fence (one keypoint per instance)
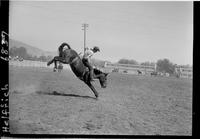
(29, 63)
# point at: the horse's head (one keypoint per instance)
(102, 77)
(103, 80)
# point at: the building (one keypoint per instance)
(129, 68)
(184, 72)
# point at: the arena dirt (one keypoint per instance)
(45, 102)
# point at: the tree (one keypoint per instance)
(134, 62)
(21, 52)
(123, 61)
(12, 51)
(147, 63)
(164, 65)
(35, 58)
(126, 61)
(49, 58)
(43, 58)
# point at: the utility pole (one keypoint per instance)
(84, 29)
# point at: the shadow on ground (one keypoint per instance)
(63, 94)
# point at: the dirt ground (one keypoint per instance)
(45, 102)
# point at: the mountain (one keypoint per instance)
(30, 49)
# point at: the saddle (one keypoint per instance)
(86, 75)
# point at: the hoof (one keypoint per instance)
(54, 70)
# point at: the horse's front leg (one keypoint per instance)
(55, 59)
(93, 89)
(55, 66)
(50, 62)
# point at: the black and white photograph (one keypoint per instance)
(100, 67)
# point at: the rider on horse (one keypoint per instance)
(86, 59)
(80, 66)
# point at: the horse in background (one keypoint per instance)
(139, 72)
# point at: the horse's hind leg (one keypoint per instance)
(93, 89)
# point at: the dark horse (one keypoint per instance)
(154, 73)
(70, 56)
(139, 72)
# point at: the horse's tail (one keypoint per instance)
(60, 48)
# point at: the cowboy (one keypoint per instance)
(86, 59)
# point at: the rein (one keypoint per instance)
(74, 60)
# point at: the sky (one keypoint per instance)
(139, 30)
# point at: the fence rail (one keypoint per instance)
(29, 63)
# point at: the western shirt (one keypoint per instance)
(88, 54)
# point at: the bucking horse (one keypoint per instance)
(71, 57)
